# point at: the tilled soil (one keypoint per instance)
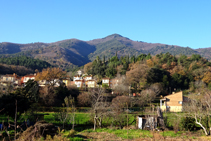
(104, 136)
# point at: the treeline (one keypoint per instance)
(109, 68)
(25, 61)
(172, 72)
(19, 70)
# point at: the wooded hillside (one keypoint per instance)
(173, 73)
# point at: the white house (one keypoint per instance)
(106, 81)
(86, 78)
(77, 78)
(79, 72)
(11, 78)
(55, 82)
(79, 83)
(91, 83)
(28, 77)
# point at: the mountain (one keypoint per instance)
(205, 52)
(73, 52)
(124, 46)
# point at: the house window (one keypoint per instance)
(180, 102)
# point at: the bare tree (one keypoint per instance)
(84, 99)
(67, 112)
(121, 89)
(14, 122)
(199, 107)
(120, 84)
(70, 103)
(118, 106)
(62, 115)
(157, 88)
(119, 103)
(99, 106)
(147, 96)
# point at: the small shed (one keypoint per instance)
(150, 122)
(147, 122)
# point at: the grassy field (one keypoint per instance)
(83, 118)
(80, 118)
(84, 127)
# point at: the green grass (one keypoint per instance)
(86, 119)
(76, 139)
(132, 134)
(80, 118)
(171, 134)
(136, 133)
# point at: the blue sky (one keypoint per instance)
(174, 22)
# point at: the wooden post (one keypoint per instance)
(127, 119)
(16, 110)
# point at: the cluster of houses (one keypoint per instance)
(83, 81)
(172, 103)
(13, 81)
(80, 80)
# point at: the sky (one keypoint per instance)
(185, 23)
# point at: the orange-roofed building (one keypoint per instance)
(106, 81)
(26, 78)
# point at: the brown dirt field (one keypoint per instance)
(101, 136)
(104, 136)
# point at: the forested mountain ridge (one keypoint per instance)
(25, 61)
(74, 52)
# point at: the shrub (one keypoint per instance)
(188, 123)
(71, 133)
(176, 125)
(209, 86)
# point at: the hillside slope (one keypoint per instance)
(74, 52)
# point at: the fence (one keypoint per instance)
(83, 109)
(57, 109)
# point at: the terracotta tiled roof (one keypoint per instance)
(77, 76)
(105, 78)
(78, 80)
(91, 80)
(29, 75)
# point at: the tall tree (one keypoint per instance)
(51, 75)
(99, 106)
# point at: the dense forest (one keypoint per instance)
(170, 71)
(26, 62)
(19, 70)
